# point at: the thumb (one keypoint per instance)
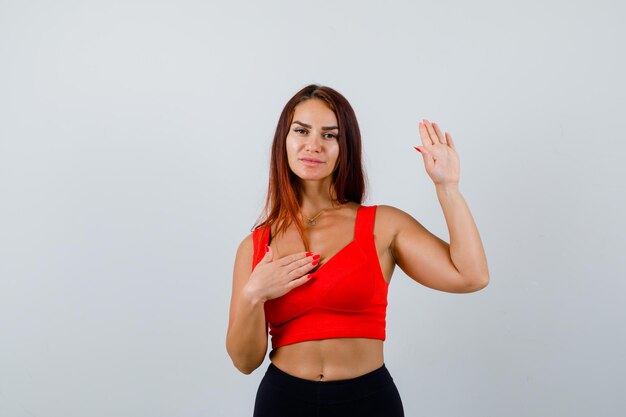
(422, 150)
(428, 157)
(268, 255)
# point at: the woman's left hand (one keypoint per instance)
(440, 156)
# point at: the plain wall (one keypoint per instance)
(134, 147)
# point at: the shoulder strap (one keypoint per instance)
(260, 238)
(364, 227)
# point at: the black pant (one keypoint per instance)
(371, 395)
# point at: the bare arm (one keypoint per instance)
(466, 248)
(460, 266)
(246, 339)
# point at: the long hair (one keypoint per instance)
(284, 192)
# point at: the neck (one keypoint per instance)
(316, 196)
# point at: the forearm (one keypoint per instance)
(246, 341)
(466, 248)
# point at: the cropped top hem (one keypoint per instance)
(339, 333)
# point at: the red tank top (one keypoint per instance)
(347, 297)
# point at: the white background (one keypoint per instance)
(134, 147)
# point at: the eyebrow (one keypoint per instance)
(309, 126)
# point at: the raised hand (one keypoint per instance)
(441, 159)
(272, 279)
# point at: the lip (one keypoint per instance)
(313, 162)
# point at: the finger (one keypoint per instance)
(426, 154)
(299, 281)
(268, 255)
(440, 135)
(450, 141)
(426, 140)
(298, 268)
(431, 131)
(301, 270)
(286, 260)
(429, 160)
(311, 258)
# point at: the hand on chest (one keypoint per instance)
(347, 279)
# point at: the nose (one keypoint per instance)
(313, 143)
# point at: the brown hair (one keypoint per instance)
(284, 194)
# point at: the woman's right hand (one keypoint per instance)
(274, 278)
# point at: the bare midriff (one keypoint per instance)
(329, 359)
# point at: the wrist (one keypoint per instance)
(251, 297)
(447, 188)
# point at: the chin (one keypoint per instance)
(309, 177)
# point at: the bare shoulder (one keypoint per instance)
(246, 245)
(392, 217)
(393, 223)
(245, 251)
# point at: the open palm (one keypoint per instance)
(441, 159)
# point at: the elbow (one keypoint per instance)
(476, 283)
(481, 282)
(246, 367)
(242, 366)
(244, 363)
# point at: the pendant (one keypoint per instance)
(311, 222)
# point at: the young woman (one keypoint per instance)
(316, 268)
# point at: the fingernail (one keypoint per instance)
(315, 263)
(417, 149)
(267, 248)
(309, 253)
(316, 257)
(311, 276)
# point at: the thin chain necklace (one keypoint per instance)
(312, 221)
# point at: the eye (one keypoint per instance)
(329, 136)
(300, 130)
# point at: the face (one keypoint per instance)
(312, 147)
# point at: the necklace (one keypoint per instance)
(312, 221)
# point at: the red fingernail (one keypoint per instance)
(417, 149)
(267, 248)
(315, 263)
(309, 253)
(316, 257)
(311, 276)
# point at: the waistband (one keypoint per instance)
(329, 392)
